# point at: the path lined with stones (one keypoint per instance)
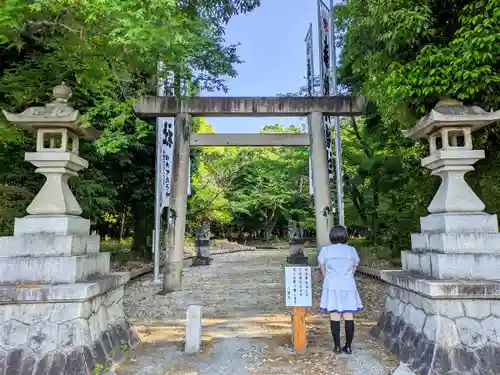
(246, 326)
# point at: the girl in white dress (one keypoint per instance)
(340, 295)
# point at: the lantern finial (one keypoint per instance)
(62, 93)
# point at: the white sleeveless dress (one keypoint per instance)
(340, 293)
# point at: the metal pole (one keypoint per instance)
(157, 212)
(312, 60)
(320, 46)
(311, 57)
(338, 144)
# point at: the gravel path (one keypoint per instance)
(246, 327)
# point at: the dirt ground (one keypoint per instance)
(246, 326)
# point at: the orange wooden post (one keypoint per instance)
(299, 331)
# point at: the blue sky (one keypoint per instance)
(273, 50)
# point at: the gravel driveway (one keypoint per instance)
(246, 326)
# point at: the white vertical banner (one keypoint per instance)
(160, 169)
(310, 61)
(324, 19)
(310, 87)
(167, 157)
(324, 47)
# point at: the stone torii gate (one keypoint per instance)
(185, 108)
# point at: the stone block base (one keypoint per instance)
(297, 259)
(60, 225)
(456, 242)
(53, 269)
(201, 261)
(454, 336)
(48, 245)
(94, 359)
(204, 252)
(472, 266)
(64, 329)
(459, 222)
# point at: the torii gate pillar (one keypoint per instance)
(321, 183)
(175, 254)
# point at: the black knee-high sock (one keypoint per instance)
(335, 327)
(349, 332)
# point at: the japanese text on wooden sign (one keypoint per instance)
(298, 288)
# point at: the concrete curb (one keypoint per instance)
(369, 272)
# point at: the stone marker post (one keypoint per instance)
(296, 243)
(193, 329)
(442, 312)
(61, 310)
(203, 248)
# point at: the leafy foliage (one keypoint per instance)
(251, 190)
(108, 53)
(405, 56)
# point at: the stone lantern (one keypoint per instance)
(61, 309)
(296, 243)
(449, 129)
(56, 156)
(442, 312)
(203, 245)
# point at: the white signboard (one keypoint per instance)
(298, 286)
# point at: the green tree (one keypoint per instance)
(253, 190)
(405, 56)
(108, 53)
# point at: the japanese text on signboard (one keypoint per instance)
(298, 286)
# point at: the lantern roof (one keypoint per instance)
(451, 113)
(57, 114)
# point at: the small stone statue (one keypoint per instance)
(203, 251)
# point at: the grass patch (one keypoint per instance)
(119, 250)
(368, 254)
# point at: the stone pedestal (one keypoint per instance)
(297, 252)
(203, 247)
(442, 312)
(296, 243)
(442, 327)
(61, 310)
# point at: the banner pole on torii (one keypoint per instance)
(338, 142)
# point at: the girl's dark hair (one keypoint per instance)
(338, 234)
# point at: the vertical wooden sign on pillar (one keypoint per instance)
(298, 296)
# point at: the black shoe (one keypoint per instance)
(337, 350)
(347, 349)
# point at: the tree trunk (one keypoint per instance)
(142, 229)
(374, 218)
(122, 226)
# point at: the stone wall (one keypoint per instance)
(75, 337)
(441, 336)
